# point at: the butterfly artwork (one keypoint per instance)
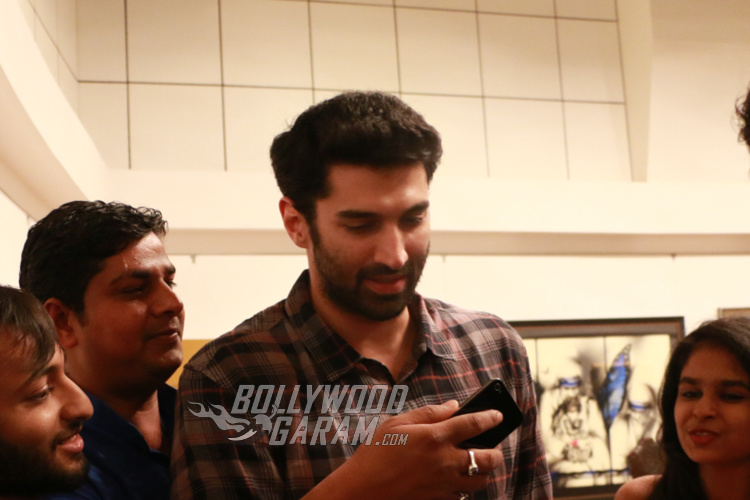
(612, 395)
(597, 388)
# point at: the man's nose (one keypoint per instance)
(167, 301)
(75, 405)
(391, 248)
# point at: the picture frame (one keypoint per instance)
(597, 383)
(730, 312)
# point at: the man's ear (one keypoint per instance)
(65, 320)
(294, 223)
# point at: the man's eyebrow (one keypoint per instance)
(364, 214)
(141, 274)
(355, 214)
(38, 373)
(419, 207)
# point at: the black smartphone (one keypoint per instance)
(493, 396)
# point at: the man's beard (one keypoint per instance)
(29, 472)
(359, 299)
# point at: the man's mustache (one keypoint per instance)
(381, 270)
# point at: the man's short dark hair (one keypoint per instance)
(359, 128)
(743, 117)
(25, 321)
(67, 248)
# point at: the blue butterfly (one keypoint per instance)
(612, 395)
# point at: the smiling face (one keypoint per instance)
(712, 411)
(41, 414)
(129, 334)
(370, 239)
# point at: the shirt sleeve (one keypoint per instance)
(206, 464)
(533, 479)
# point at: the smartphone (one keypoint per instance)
(493, 396)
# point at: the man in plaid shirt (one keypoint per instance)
(258, 415)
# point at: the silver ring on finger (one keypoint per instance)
(473, 467)
(463, 496)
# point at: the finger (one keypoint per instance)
(427, 414)
(463, 427)
(486, 460)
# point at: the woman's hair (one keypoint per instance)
(742, 109)
(681, 478)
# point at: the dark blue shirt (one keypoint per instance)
(123, 467)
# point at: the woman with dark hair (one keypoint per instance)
(705, 407)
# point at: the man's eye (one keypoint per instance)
(41, 395)
(171, 283)
(414, 221)
(358, 228)
(135, 288)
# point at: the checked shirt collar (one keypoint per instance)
(332, 355)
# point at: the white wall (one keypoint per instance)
(203, 85)
(220, 292)
(14, 224)
(701, 66)
(541, 104)
(53, 26)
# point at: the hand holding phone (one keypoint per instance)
(493, 396)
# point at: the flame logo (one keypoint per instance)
(227, 422)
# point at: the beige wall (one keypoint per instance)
(549, 111)
(14, 224)
(205, 86)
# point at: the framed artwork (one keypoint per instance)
(597, 385)
(728, 312)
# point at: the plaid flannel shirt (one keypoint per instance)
(457, 351)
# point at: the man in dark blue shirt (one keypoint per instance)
(105, 279)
